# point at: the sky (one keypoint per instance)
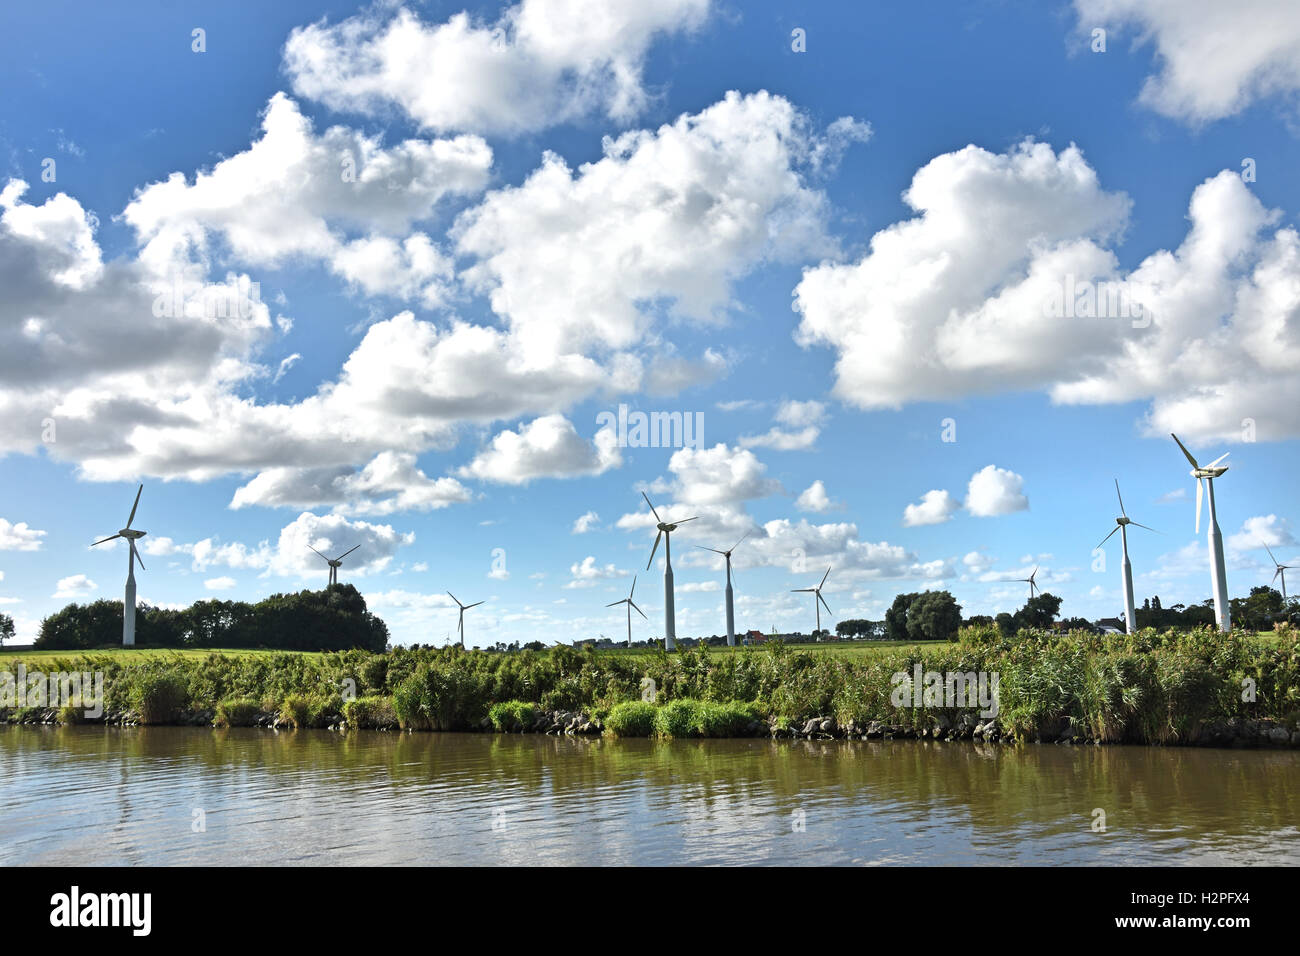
(925, 279)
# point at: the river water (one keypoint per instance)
(176, 795)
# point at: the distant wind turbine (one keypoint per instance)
(128, 602)
(1281, 571)
(463, 609)
(731, 613)
(630, 605)
(335, 563)
(1218, 575)
(1030, 581)
(666, 530)
(818, 592)
(1121, 525)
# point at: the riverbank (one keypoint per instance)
(1171, 688)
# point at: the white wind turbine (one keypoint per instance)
(1121, 525)
(1218, 575)
(818, 592)
(1281, 571)
(630, 604)
(128, 603)
(731, 613)
(463, 609)
(670, 612)
(1030, 581)
(335, 563)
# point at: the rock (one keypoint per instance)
(812, 726)
(828, 725)
(1279, 735)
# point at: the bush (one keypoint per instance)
(512, 716)
(633, 718)
(371, 713)
(296, 711)
(71, 715)
(237, 712)
(158, 697)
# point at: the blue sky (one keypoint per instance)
(826, 265)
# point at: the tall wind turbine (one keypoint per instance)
(630, 604)
(1218, 575)
(670, 612)
(1030, 581)
(335, 563)
(731, 612)
(463, 609)
(817, 591)
(1121, 525)
(128, 602)
(1281, 571)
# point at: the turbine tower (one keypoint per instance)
(630, 604)
(463, 609)
(128, 602)
(818, 592)
(335, 563)
(731, 612)
(1121, 525)
(1281, 571)
(670, 613)
(1218, 576)
(1030, 581)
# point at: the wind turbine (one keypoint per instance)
(630, 604)
(1121, 525)
(128, 602)
(1030, 581)
(1218, 576)
(670, 612)
(731, 613)
(1281, 571)
(335, 563)
(817, 591)
(463, 609)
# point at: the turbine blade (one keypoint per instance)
(475, 604)
(639, 611)
(824, 604)
(714, 550)
(1185, 451)
(1108, 537)
(136, 554)
(654, 549)
(652, 508)
(1275, 574)
(1121, 499)
(1219, 459)
(1200, 493)
(684, 520)
(617, 603)
(346, 553)
(457, 600)
(824, 577)
(801, 590)
(1269, 550)
(110, 538)
(633, 591)
(1136, 525)
(134, 506)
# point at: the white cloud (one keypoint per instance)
(587, 573)
(718, 476)
(978, 562)
(995, 491)
(935, 507)
(958, 300)
(814, 498)
(548, 447)
(779, 439)
(543, 62)
(73, 587)
(220, 584)
(1214, 59)
(19, 537)
(586, 522)
(1257, 532)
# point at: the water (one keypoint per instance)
(94, 795)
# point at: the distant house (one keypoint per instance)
(753, 637)
(1110, 625)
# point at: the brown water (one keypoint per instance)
(80, 795)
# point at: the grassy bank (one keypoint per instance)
(1155, 688)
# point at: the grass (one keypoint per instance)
(136, 654)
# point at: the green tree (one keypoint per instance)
(1039, 611)
(6, 629)
(933, 616)
(896, 617)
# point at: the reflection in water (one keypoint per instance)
(94, 795)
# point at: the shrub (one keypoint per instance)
(295, 711)
(513, 716)
(633, 718)
(237, 712)
(71, 715)
(371, 713)
(677, 718)
(158, 697)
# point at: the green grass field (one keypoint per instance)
(842, 648)
(133, 654)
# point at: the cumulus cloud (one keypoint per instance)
(935, 507)
(220, 584)
(968, 298)
(1214, 59)
(542, 62)
(19, 537)
(587, 573)
(74, 587)
(548, 447)
(798, 426)
(586, 522)
(1257, 532)
(814, 498)
(995, 491)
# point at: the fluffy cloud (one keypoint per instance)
(1215, 59)
(587, 573)
(543, 62)
(74, 587)
(220, 584)
(935, 507)
(995, 491)
(548, 447)
(718, 476)
(586, 522)
(966, 299)
(814, 498)
(1257, 532)
(19, 537)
